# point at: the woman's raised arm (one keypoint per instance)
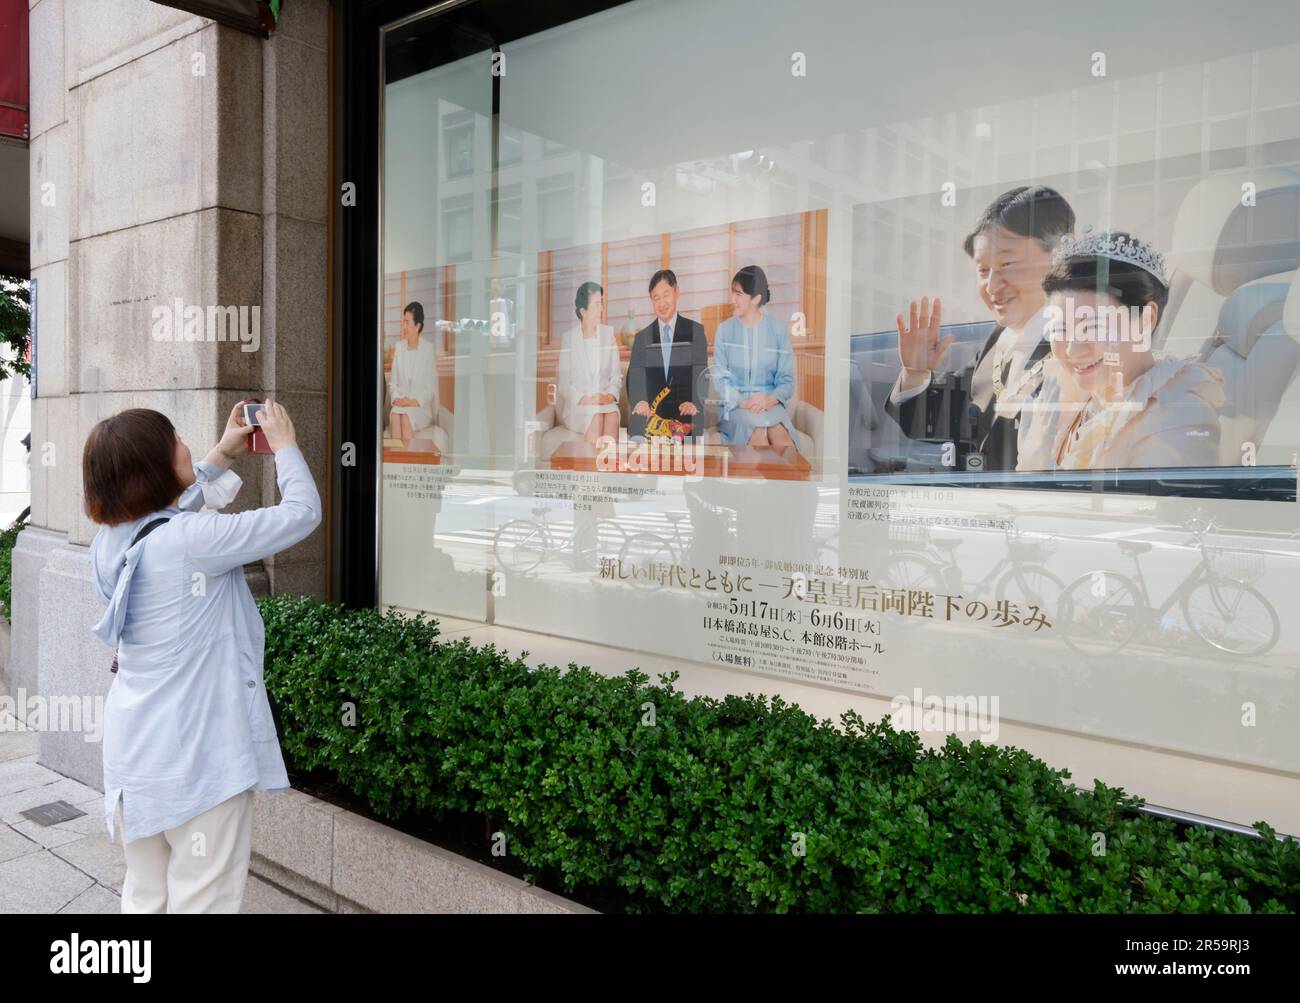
(217, 543)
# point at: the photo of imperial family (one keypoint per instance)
(1098, 354)
(742, 382)
(419, 365)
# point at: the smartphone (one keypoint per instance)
(253, 415)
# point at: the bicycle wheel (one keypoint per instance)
(606, 539)
(1100, 613)
(1030, 585)
(644, 556)
(1231, 617)
(520, 545)
(910, 570)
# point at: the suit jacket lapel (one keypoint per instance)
(981, 382)
(989, 342)
(1041, 351)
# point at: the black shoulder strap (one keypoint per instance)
(140, 535)
(146, 530)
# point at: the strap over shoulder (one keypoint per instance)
(147, 529)
(140, 535)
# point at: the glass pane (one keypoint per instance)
(761, 474)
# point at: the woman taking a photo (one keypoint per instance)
(188, 732)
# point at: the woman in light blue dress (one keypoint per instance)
(753, 368)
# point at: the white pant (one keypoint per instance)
(198, 866)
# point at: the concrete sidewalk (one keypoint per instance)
(71, 867)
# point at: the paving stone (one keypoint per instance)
(89, 824)
(17, 744)
(20, 775)
(14, 844)
(39, 883)
(65, 789)
(96, 899)
(96, 856)
(47, 836)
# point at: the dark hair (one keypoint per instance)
(128, 466)
(1128, 282)
(663, 275)
(753, 282)
(1039, 212)
(583, 299)
(416, 310)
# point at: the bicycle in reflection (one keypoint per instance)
(651, 552)
(522, 544)
(1104, 611)
(1020, 575)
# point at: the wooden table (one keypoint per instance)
(716, 461)
(412, 451)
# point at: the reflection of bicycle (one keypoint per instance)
(1020, 574)
(1103, 611)
(522, 544)
(649, 549)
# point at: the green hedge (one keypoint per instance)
(701, 811)
(7, 539)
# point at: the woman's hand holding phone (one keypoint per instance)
(236, 432)
(277, 427)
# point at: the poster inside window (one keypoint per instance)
(862, 355)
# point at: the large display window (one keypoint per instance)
(827, 345)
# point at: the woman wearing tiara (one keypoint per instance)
(1122, 405)
(753, 366)
(591, 374)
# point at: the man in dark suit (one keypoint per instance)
(979, 408)
(671, 352)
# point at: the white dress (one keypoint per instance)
(415, 374)
(587, 366)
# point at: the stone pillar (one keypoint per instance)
(189, 163)
(295, 295)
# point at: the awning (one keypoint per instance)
(13, 68)
(259, 17)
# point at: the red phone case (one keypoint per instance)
(257, 441)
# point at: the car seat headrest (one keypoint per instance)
(1291, 310)
(1252, 309)
(1224, 243)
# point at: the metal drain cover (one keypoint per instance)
(52, 813)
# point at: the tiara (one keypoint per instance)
(1117, 247)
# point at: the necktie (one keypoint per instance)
(667, 347)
